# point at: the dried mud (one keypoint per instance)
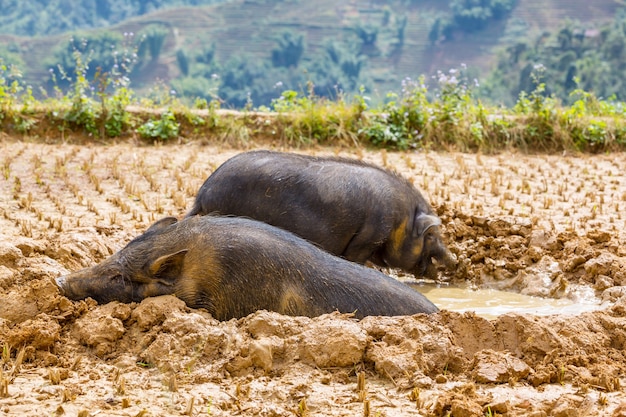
(550, 226)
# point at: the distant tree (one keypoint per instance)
(386, 15)
(572, 57)
(367, 33)
(196, 87)
(340, 69)
(474, 15)
(435, 31)
(345, 57)
(500, 8)
(241, 80)
(183, 62)
(615, 42)
(471, 15)
(199, 71)
(206, 53)
(10, 56)
(152, 38)
(289, 50)
(401, 22)
(103, 9)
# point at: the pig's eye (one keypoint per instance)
(116, 277)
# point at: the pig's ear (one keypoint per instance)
(423, 222)
(161, 224)
(167, 268)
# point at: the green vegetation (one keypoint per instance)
(561, 90)
(166, 127)
(572, 58)
(446, 117)
(469, 16)
(208, 50)
(44, 17)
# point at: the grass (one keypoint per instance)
(447, 118)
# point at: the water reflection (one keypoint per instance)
(490, 303)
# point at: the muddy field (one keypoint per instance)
(547, 226)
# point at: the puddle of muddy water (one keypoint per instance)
(490, 303)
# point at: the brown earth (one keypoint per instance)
(545, 225)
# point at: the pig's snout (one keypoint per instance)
(432, 266)
(60, 282)
(449, 260)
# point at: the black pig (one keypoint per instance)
(233, 266)
(350, 208)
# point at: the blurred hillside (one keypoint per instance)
(251, 50)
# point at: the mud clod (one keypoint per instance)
(490, 367)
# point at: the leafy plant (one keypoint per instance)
(401, 121)
(163, 129)
(82, 112)
(98, 102)
(10, 88)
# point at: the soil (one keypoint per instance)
(544, 225)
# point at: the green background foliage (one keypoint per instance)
(245, 54)
(572, 57)
(47, 17)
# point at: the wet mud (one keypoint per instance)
(550, 227)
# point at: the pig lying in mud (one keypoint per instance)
(352, 209)
(233, 267)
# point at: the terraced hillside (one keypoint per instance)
(250, 26)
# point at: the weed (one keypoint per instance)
(83, 112)
(303, 410)
(116, 117)
(162, 129)
(401, 122)
(6, 353)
